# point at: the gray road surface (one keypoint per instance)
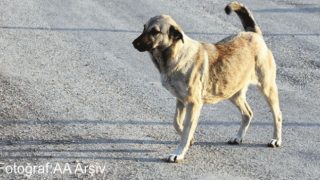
(74, 92)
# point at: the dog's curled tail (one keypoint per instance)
(245, 16)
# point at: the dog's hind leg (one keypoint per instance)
(267, 86)
(271, 95)
(179, 118)
(239, 100)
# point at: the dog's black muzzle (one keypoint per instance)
(142, 43)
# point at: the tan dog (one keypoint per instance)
(196, 73)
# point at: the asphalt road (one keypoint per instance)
(74, 92)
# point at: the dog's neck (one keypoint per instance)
(157, 54)
(157, 58)
(162, 58)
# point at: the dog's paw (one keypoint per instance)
(274, 143)
(235, 140)
(174, 158)
(192, 141)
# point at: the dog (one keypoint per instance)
(196, 73)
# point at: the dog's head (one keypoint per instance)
(160, 32)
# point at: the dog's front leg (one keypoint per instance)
(191, 120)
(179, 118)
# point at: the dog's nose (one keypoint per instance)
(135, 43)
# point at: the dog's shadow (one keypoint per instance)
(225, 144)
(84, 154)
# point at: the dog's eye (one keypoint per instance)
(154, 32)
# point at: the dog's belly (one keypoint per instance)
(225, 87)
(212, 99)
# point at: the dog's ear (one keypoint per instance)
(175, 32)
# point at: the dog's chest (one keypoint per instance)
(172, 82)
(176, 88)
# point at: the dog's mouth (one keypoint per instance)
(142, 47)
